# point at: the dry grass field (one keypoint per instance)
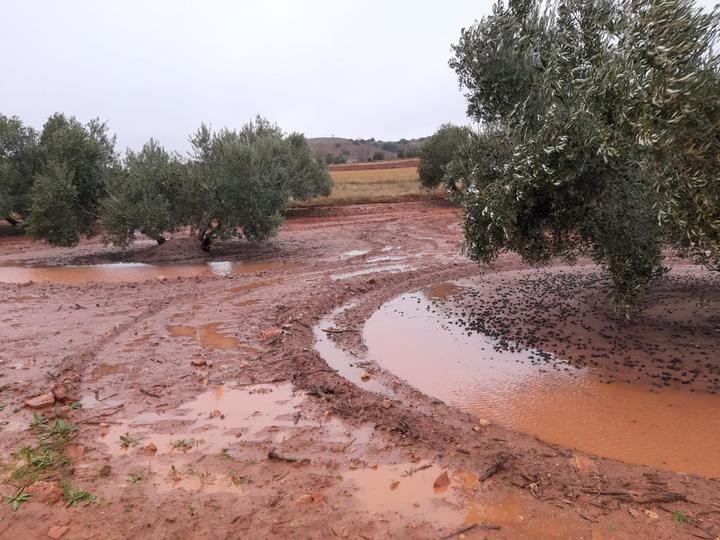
(372, 185)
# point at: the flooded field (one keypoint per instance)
(133, 272)
(419, 341)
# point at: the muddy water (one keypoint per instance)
(134, 272)
(210, 335)
(218, 419)
(669, 429)
(410, 490)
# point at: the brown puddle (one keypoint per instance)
(671, 429)
(219, 418)
(208, 335)
(135, 272)
(341, 360)
(409, 490)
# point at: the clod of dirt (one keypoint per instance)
(41, 401)
(269, 334)
(58, 531)
(45, 492)
(584, 464)
(442, 481)
(148, 450)
(58, 390)
(74, 451)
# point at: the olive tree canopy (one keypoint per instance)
(611, 109)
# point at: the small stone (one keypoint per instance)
(269, 334)
(215, 414)
(74, 451)
(365, 376)
(442, 481)
(634, 513)
(394, 485)
(148, 450)
(58, 390)
(386, 404)
(484, 422)
(45, 492)
(198, 362)
(41, 401)
(652, 515)
(304, 499)
(583, 464)
(58, 531)
(71, 377)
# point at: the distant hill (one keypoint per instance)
(339, 150)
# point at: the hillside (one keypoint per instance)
(362, 150)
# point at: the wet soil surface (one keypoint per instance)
(203, 409)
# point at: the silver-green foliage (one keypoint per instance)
(612, 112)
(437, 151)
(75, 162)
(145, 196)
(239, 182)
(19, 162)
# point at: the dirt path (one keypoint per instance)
(234, 426)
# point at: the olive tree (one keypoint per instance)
(239, 182)
(75, 161)
(144, 196)
(18, 166)
(437, 151)
(611, 111)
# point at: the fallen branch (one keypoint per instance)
(627, 496)
(484, 527)
(150, 393)
(495, 467)
(100, 415)
(274, 456)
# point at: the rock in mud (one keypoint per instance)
(270, 334)
(365, 376)
(45, 492)
(58, 390)
(74, 451)
(41, 401)
(584, 464)
(198, 362)
(148, 450)
(58, 531)
(442, 481)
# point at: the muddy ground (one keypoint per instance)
(205, 411)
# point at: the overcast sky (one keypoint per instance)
(157, 68)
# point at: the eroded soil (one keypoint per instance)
(207, 412)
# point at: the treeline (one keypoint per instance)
(67, 180)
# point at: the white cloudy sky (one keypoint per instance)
(157, 68)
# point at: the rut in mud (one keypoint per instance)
(206, 409)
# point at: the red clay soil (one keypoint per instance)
(207, 412)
